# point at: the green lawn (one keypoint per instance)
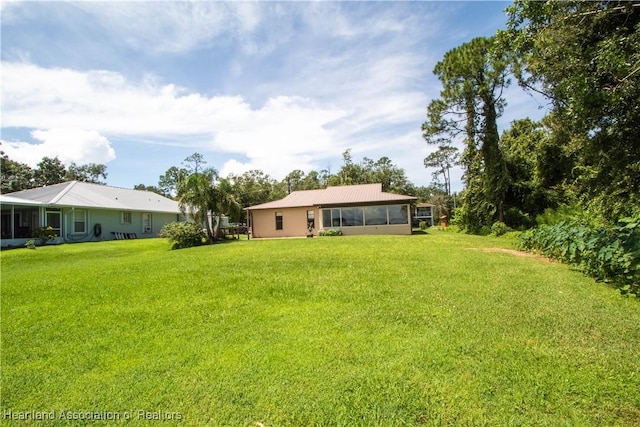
(371, 330)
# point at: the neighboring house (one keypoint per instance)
(423, 212)
(82, 212)
(354, 209)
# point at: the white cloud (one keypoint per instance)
(69, 145)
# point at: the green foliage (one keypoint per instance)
(183, 234)
(609, 254)
(584, 56)
(30, 244)
(499, 228)
(44, 234)
(561, 214)
(473, 76)
(422, 225)
(330, 232)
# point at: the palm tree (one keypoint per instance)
(194, 197)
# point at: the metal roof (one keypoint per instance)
(86, 195)
(342, 195)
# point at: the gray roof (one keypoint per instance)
(334, 196)
(85, 195)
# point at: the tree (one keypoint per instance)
(473, 77)
(151, 188)
(49, 171)
(90, 172)
(255, 187)
(443, 160)
(15, 176)
(168, 183)
(584, 57)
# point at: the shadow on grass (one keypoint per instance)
(416, 232)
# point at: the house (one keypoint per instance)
(82, 212)
(423, 212)
(354, 209)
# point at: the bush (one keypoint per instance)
(499, 228)
(330, 232)
(44, 235)
(183, 234)
(422, 225)
(609, 254)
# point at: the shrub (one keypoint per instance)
(499, 228)
(183, 234)
(30, 244)
(330, 232)
(422, 225)
(608, 253)
(44, 234)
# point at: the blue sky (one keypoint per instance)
(275, 86)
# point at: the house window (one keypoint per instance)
(125, 218)
(278, 220)
(352, 217)
(53, 220)
(326, 218)
(375, 215)
(398, 214)
(147, 225)
(79, 221)
(311, 219)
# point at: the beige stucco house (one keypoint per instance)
(354, 209)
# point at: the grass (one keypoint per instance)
(369, 330)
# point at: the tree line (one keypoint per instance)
(17, 176)
(204, 193)
(583, 58)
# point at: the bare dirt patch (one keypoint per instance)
(520, 254)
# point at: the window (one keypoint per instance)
(147, 225)
(53, 220)
(375, 215)
(335, 218)
(278, 220)
(311, 219)
(398, 214)
(79, 221)
(352, 217)
(326, 218)
(125, 218)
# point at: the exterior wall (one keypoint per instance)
(109, 220)
(294, 222)
(376, 229)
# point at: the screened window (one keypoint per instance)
(375, 215)
(335, 218)
(326, 218)
(79, 221)
(352, 217)
(278, 220)
(398, 214)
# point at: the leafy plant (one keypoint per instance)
(608, 253)
(499, 228)
(30, 244)
(422, 225)
(44, 235)
(183, 234)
